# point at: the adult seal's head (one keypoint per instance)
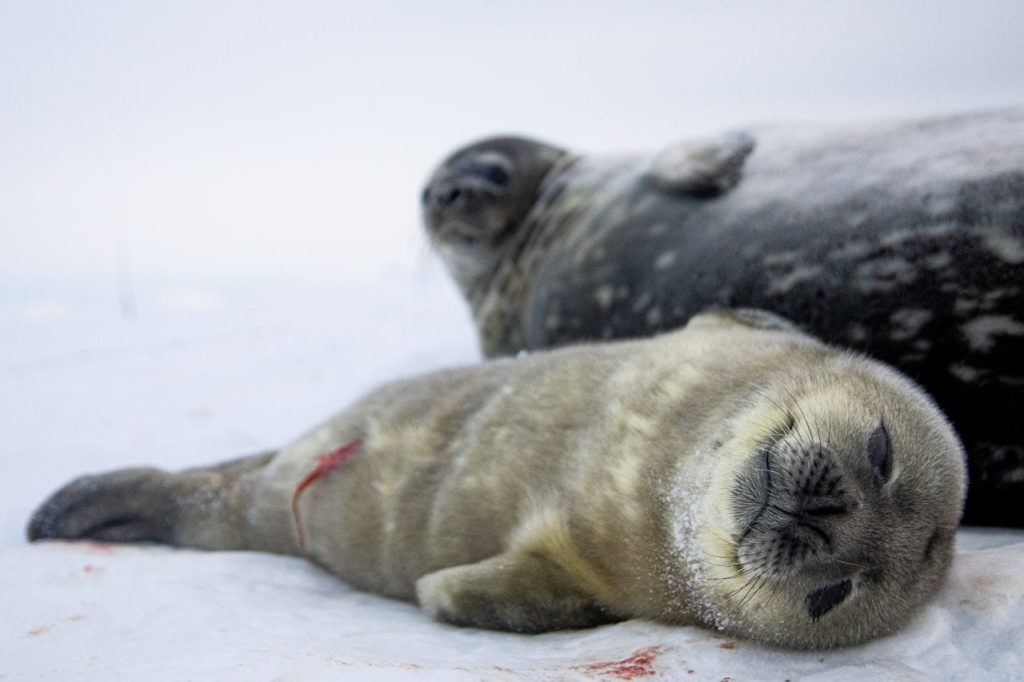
(479, 197)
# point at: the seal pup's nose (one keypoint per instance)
(796, 507)
(811, 514)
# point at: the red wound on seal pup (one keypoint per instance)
(324, 464)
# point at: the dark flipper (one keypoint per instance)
(130, 505)
(701, 168)
(196, 508)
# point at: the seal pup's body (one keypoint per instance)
(735, 473)
(903, 240)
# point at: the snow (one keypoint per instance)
(94, 612)
(187, 385)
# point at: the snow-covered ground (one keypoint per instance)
(98, 613)
(241, 178)
(206, 375)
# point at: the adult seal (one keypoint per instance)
(734, 473)
(902, 240)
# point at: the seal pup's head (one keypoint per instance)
(477, 198)
(836, 496)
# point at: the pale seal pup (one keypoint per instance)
(735, 473)
(903, 240)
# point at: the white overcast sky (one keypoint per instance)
(243, 138)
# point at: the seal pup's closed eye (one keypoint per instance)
(735, 473)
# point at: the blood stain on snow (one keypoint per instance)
(101, 547)
(91, 568)
(88, 546)
(391, 665)
(637, 664)
(728, 646)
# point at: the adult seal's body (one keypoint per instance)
(904, 240)
(735, 473)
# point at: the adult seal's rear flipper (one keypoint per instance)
(701, 168)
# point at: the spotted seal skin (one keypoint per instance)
(735, 473)
(903, 240)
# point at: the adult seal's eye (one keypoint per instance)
(496, 174)
(880, 452)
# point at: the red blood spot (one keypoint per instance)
(637, 664)
(727, 645)
(324, 464)
(101, 547)
(726, 679)
(89, 568)
(689, 672)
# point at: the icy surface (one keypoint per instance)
(185, 385)
(94, 612)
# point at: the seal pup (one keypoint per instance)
(735, 473)
(903, 240)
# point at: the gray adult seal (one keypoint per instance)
(735, 473)
(902, 240)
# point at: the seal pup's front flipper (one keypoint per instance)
(701, 168)
(518, 591)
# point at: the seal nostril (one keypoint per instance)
(450, 196)
(808, 525)
(832, 509)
